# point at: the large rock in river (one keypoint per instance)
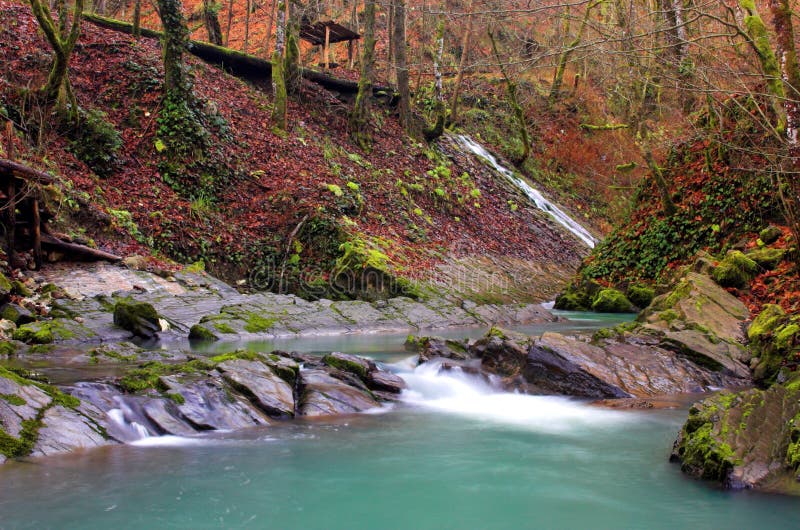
(260, 385)
(746, 440)
(321, 394)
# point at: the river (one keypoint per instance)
(454, 454)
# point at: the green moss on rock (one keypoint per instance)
(140, 318)
(5, 287)
(766, 322)
(641, 295)
(345, 365)
(736, 270)
(767, 258)
(612, 301)
(43, 332)
(770, 234)
(200, 332)
(258, 324)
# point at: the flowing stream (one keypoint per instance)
(455, 453)
(532, 193)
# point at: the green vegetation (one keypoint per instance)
(345, 365)
(200, 332)
(258, 324)
(736, 270)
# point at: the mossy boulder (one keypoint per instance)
(43, 332)
(641, 295)
(773, 336)
(202, 333)
(743, 440)
(735, 270)
(140, 318)
(21, 289)
(612, 301)
(5, 287)
(578, 296)
(770, 234)
(767, 258)
(16, 314)
(348, 363)
(767, 320)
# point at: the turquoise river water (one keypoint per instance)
(454, 454)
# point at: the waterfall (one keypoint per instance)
(455, 392)
(533, 194)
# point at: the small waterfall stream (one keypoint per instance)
(532, 193)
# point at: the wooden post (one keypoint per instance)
(326, 49)
(11, 215)
(37, 235)
(350, 54)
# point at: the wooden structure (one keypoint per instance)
(326, 33)
(23, 218)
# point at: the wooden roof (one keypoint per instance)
(315, 33)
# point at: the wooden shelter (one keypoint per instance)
(325, 33)
(22, 216)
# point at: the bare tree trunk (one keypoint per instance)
(269, 28)
(137, 19)
(359, 118)
(248, 7)
(465, 44)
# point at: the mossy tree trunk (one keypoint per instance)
(519, 114)
(173, 44)
(359, 117)
(211, 22)
(790, 71)
(759, 40)
(563, 59)
(278, 77)
(400, 63)
(466, 39)
(440, 110)
(291, 62)
(62, 36)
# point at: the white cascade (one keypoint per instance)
(532, 193)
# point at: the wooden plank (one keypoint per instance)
(22, 171)
(76, 249)
(37, 235)
(326, 49)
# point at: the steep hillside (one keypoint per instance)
(285, 211)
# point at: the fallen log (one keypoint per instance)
(247, 67)
(75, 249)
(9, 167)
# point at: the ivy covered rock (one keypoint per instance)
(736, 270)
(612, 301)
(139, 318)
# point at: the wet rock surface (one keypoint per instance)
(186, 299)
(744, 440)
(185, 398)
